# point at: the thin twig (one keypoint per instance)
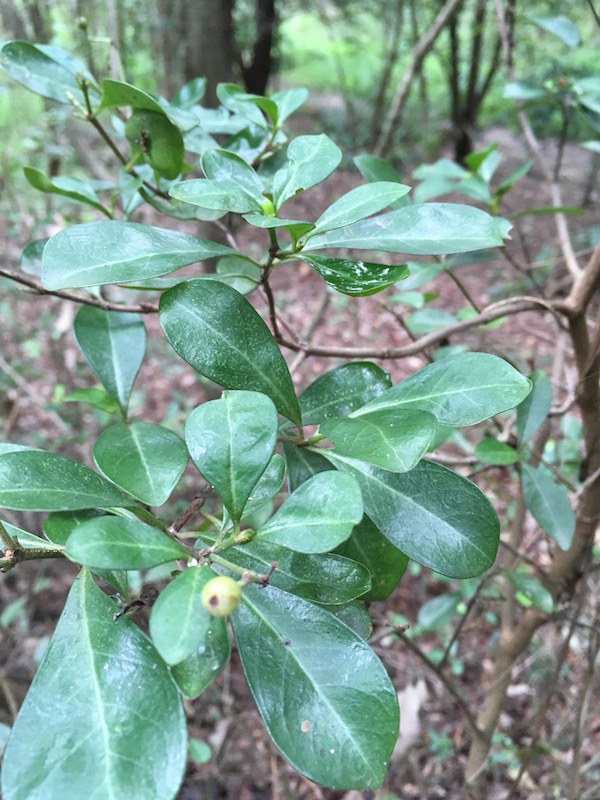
(32, 283)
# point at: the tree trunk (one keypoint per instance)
(257, 72)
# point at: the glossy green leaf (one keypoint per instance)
(323, 578)
(33, 480)
(311, 159)
(389, 438)
(431, 514)
(45, 70)
(356, 278)
(360, 203)
(431, 229)
(288, 101)
(155, 140)
(198, 670)
(302, 464)
(200, 752)
(324, 696)
(218, 332)
(374, 169)
(73, 188)
(30, 260)
(437, 612)
(535, 593)
(421, 272)
(231, 441)
(117, 543)
(101, 709)
(114, 345)
(534, 409)
(318, 516)
(97, 253)
(143, 459)
(226, 194)
(385, 562)
(549, 504)
(491, 451)
(462, 389)
(179, 622)
(342, 390)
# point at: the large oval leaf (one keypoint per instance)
(33, 480)
(392, 439)
(318, 516)
(114, 345)
(431, 514)
(458, 390)
(323, 694)
(102, 716)
(219, 333)
(430, 229)
(97, 253)
(342, 390)
(179, 622)
(231, 441)
(117, 543)
(355, 278)
(143, 459)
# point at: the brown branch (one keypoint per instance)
(503, 308)
(105, 305)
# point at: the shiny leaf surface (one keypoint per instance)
(33, 480)
(459, 390)
(213, 328)
(431, 514)
(102, 711)
(355, 278)
(193, 675)
(360, 203)
(323, 694)
(143, 459)
(117, 543)
(390, 438)
(98, 253)
(231, 442)
(311, 159)
(342, 390)
(318, 516)
(431, 229)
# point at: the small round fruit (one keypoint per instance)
(221, 596)
(268, 208)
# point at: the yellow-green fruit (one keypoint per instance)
(267, 207)
(159, 141)
(221, 596)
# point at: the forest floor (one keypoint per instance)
(35, 343)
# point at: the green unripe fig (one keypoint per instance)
(221, 596)
(160, 142)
